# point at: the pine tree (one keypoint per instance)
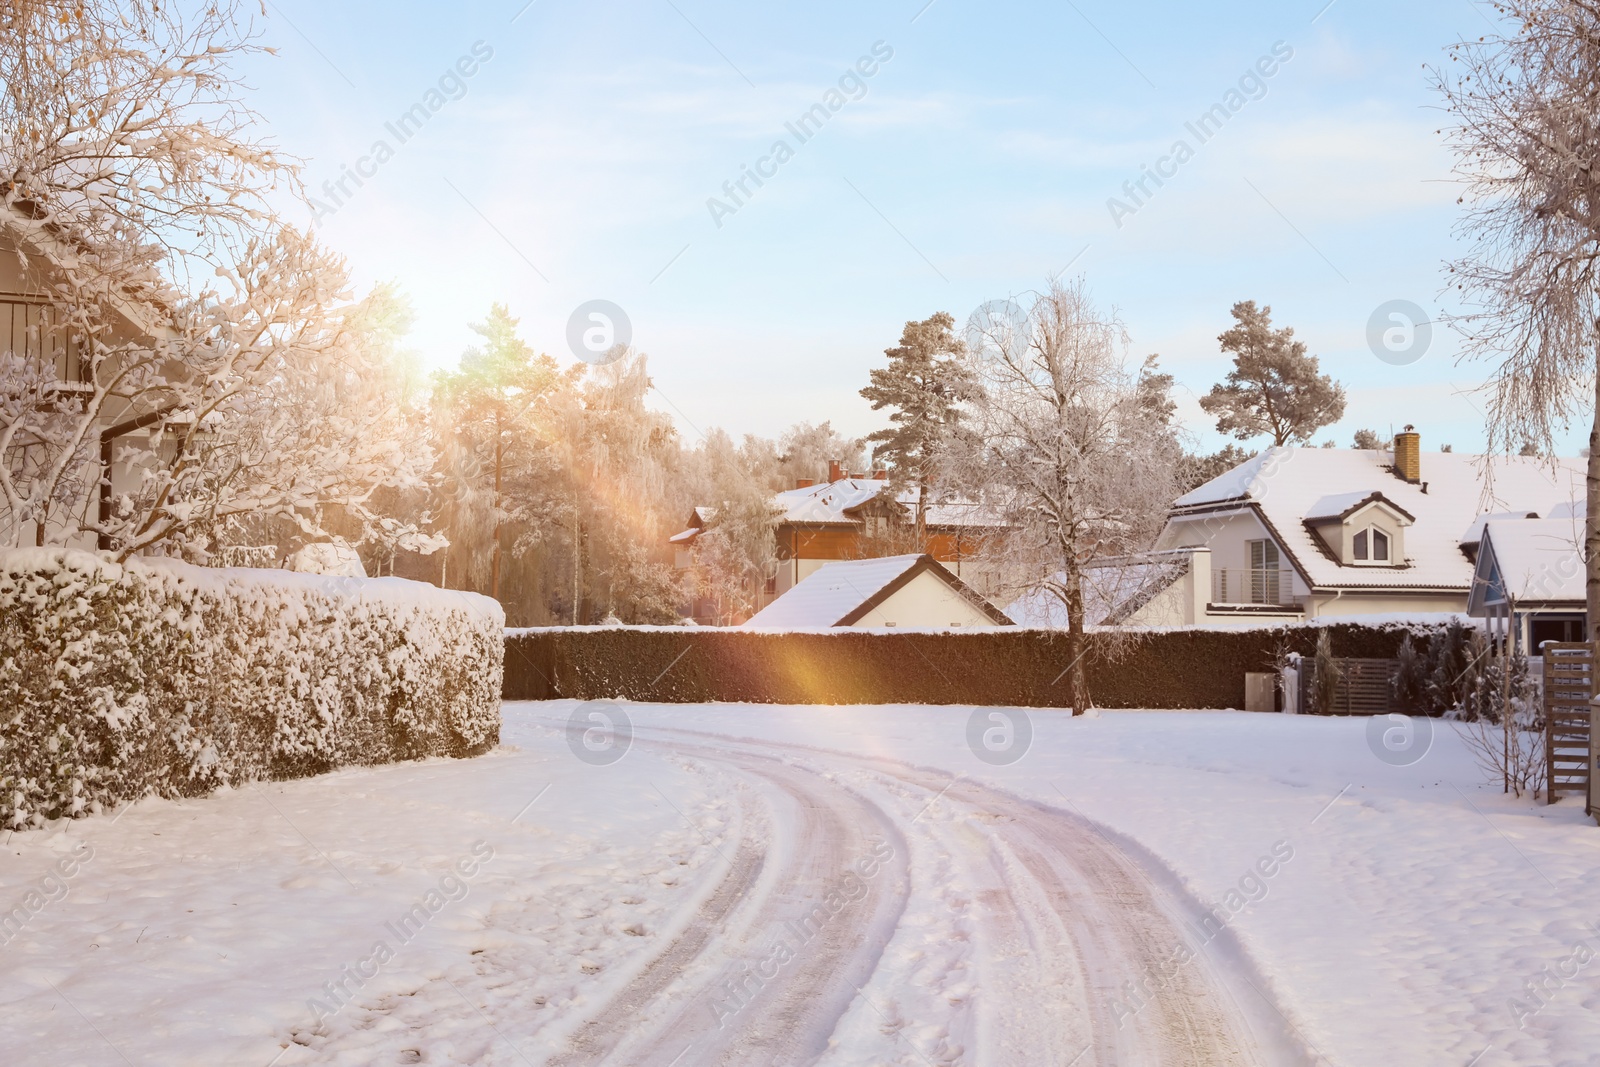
(925, 384)
(1324, 676)
(1411, 678)
(1448, 667)
(1274, 387)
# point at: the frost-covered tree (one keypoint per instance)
(1524, 104)
(1073, 454)
(1196, 469)
(501, 465)
(735, 555)
(619, 454)
(1369, 440)
(1274, 387)
(193, 340)
(925, 387)
(804, 451)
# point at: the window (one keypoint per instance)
(1264, 587)
(1263, 555)
(1370, 545)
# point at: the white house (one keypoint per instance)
(905, 591)
(1297, 533)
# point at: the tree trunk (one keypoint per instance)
(1591, 522)
(922, 514)
(499, 462)
(1077, 643)
(580, 547)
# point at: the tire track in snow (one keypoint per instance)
(1071, 899)
(677, 1011)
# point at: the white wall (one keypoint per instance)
(926, 601)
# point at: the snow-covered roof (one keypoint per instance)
(1536, 559)
(833, 502)
(1474, 532)
(838, 593)
(1112, 591)
(1288, 486)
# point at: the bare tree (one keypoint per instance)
(1072, 453)
(1525, 110)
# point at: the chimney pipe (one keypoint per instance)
(835, 470)
(1408, 455)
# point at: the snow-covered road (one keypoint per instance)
(845, 886)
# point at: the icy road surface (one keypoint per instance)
(843, 886)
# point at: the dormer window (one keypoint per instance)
(1371, 545)
(1361, 529)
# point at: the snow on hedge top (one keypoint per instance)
(1289, 485)
(89, 567)
(827, 595)
(1539, 559)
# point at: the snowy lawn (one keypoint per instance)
(508, 909)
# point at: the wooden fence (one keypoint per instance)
(1365, 686)
(1569, 685)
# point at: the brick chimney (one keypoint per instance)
(1408, 455)
(805, 483)
(835, 471)
(879, 474)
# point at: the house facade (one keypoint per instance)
(30, 264)
(909, 592)
(1302, 533)
(852, 517)
(1529, 579)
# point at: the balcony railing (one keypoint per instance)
(32, 330)
(1254, 585)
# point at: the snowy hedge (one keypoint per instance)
(121, 680)
(1018, 667)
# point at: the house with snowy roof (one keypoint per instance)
(855, 517)
(33, 258)
(1299, 533)
(909, 591)
(1529, 578)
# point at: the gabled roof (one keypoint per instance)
(1533, 561)
(1341, 506)
(842, 593)
(1286, 486)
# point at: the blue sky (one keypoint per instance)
(578, 160)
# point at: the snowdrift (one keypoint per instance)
(151, 676)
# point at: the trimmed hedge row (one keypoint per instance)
(122, 680)
(1195, 668)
